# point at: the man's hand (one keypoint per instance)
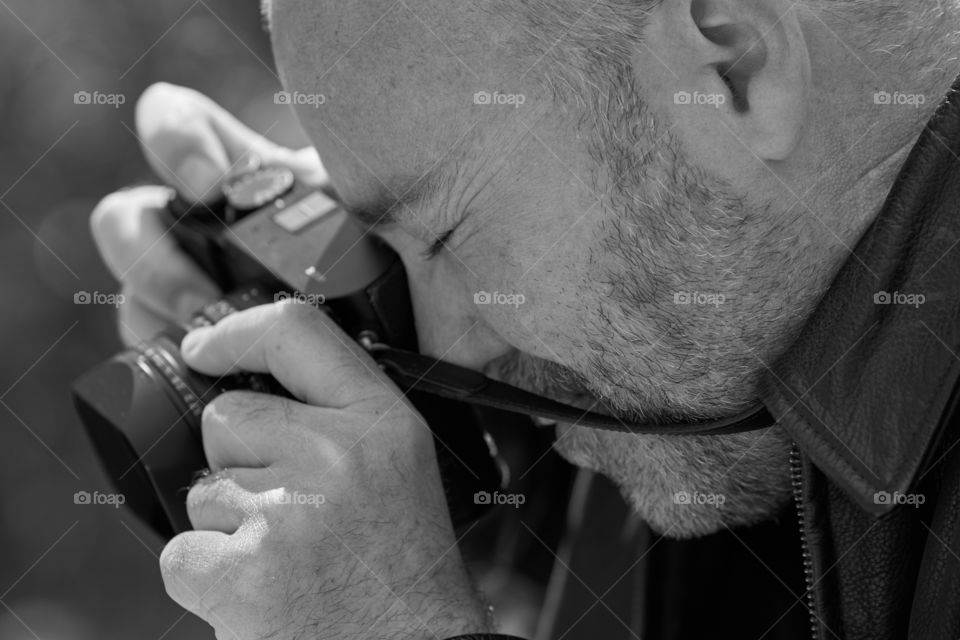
(191, 143)
(325, 516)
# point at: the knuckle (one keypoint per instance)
(333, 448)
(222, 491)
(121, 221)
(203, 493)
(174, 122)
(170, 99)
(159, 91)
(234, 410)
(219, 411)
(297, 316)
(158, 88)
(214, 419)
(116, 208)
(294, 322)
(231, 403)
(107, 214)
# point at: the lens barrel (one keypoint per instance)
(142, 408)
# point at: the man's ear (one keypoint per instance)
(753, 53)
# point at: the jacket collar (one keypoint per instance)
(874, 375)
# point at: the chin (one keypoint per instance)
(689, 486)
(672, 520)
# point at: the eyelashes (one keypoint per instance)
(438, 246)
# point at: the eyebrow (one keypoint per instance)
(388, 209)
(380, 213)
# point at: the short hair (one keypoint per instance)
(579, 45)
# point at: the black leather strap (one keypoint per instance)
(415, 371)
(485, 636)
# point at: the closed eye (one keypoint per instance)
(437, 247)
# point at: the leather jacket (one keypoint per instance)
(869, 392)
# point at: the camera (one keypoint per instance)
(266, 238)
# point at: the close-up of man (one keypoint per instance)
(727, 226)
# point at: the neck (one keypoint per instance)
(864, 137)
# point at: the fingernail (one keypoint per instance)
(200, 178)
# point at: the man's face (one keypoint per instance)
(567, 227)
(400, 121)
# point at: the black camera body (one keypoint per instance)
(265, 240)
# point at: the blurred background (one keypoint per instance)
(67, 570)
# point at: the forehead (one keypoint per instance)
(397, 80)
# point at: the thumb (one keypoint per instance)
(192, 143)
(194, 563)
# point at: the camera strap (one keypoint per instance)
(413, 371)
(254, 187)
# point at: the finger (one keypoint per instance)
(245, 429)
(299, 345)
(139, 252)
(136, 323)
(191, 142)
(222, 501)
(194, 563)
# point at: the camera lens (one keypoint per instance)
(189, 390)
(142, 408)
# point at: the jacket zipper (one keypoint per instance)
(796, 477)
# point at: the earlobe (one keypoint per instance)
(758, 51)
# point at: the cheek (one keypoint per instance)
(559, 297)
(442, 293)
(533, 319)
(539, 300)
(495, 293)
